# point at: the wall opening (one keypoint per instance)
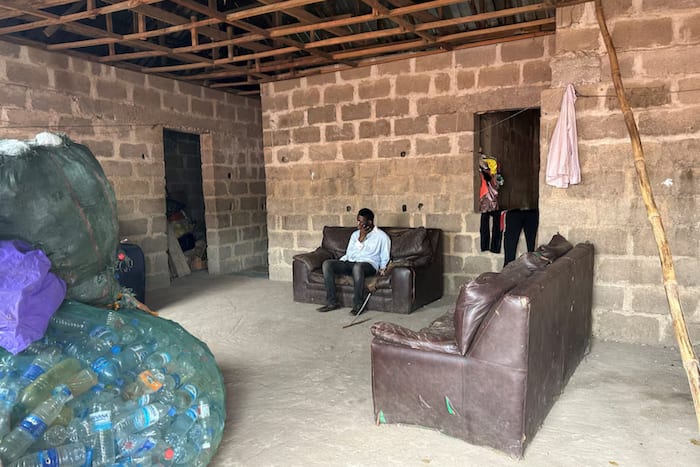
(185, 209)
(512, 137)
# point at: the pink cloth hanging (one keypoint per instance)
(562, 159)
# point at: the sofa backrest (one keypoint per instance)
(336, 238)
(416, 245)
(477, 298)
(530, 317)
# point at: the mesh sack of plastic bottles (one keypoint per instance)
(55, 196)
(110, 388)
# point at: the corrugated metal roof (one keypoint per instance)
(236, 45)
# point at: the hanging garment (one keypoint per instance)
(491, 239)
(562, 158)
(488, 191)
(519, 220)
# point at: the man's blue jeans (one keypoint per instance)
(358, 271)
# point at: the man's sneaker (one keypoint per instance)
(355, 311)
(326, 308)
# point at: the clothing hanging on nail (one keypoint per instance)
(562, 158)
(491, 180)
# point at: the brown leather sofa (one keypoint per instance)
(489, 371)
(414, 276)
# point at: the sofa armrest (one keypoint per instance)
(314, 259)
(395, 334)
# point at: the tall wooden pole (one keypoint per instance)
(690, 361)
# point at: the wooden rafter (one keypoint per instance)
(263, 40)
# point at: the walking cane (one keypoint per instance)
(359, 312)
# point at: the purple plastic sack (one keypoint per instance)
(29, 294)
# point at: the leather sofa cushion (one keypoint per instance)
(411, 246)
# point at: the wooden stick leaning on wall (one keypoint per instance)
(690, 360)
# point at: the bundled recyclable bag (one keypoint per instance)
(108, 388)
(55, 196)
(29, 295)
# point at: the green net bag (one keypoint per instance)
(54, 195)
(106, 385)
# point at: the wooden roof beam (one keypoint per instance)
(249, 27)
(52, 19)
(397, 47)
(402, 23)
(358, 37)
(90, 31)
(33, 4)
(306, 17)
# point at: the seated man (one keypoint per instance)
(367, 254)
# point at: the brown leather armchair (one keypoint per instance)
(490, 371)
(414, 276)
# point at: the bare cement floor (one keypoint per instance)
(299, 394)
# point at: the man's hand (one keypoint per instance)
(382, 271)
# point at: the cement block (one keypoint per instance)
(615, 326)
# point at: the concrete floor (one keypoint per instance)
(299, 394)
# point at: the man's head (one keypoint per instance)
(365, 217)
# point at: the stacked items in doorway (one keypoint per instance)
(189, 253)
(93, 386)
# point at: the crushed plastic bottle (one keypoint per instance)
(142, 418)
(69, 455)
(9, 392)
(100, 419)
(33, 426)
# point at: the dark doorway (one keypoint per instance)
(512, 137)
(184, 202)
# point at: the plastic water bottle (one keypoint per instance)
(157, 360)
(123, 327)
(33, 426)
(101, 427)
(163, 455)
(9, 391)
(56, 435)
(185, 396)
(177, 433)
(202, 433)
(137, 445)
(62, 324)
(102, 338)
(132, 356)
(69, 455)
(147, 382)
(106, 369)
(41, 387)
(7, 365)
(142, 418)
(79, 431)
(40, 365)
(185, 453)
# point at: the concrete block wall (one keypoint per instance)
(120, 115)
(658, 46)
(333, 143)
(395, 137)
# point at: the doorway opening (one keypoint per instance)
(512, 137)
(187, 230)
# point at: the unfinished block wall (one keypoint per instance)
(397, 138)
(658, 46)
(401, 134)
(120, 115)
